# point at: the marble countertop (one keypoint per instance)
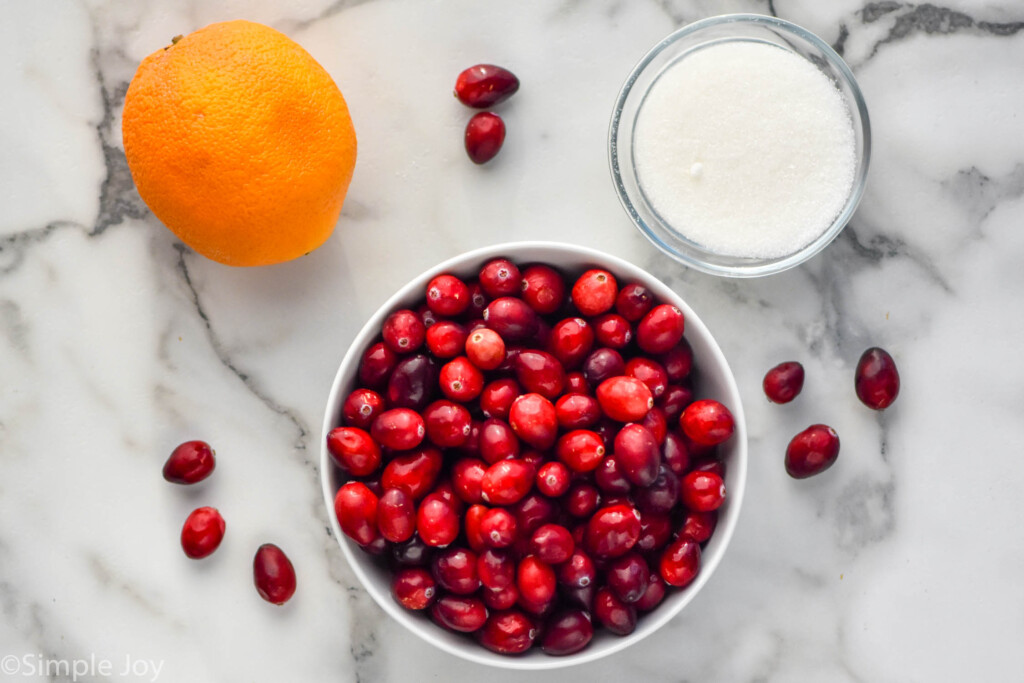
(902, 563)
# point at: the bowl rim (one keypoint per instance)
(856, 190)
(736, 475)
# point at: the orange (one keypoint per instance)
(240, 143)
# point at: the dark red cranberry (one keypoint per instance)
(654, 593)
(361, 408)
(812, 451)
(610, 478)
(478, 300)
(699, 525)
(674, 453)
(485, 349)
(603, 364)
(655, 531)
(396, 515)
(707, 422)
(661, 329)
(497, 397)
(398, 429)
(552, 543)
(446, 339)
(356, 508)
(467, 477)
(877, 381)
(534, 420)
(677, 361)
(576, 383)
(189, 463)
(577, 411)
(627, 577)
(674, 401)
(512, 318)
(485, 85)
(413, 588)
(454, 569)
(508, 633)
(273, 574)
(411, 553)
(540, 372)
(634, 301)
(496, 568)
(662, 494)
(437, 522)
(783, 382)
(459, 613)
(581, 500)
(625, 399)
(702, 491)
(571, 340)
(413, 382)
(578, 571)
(638, 454)
(403, 331)
(376, 365)
(613, 331)
(650, 372)
(567, 632)
(656, 423)
(532, 512)
(614, 614)
(414, 472)
(543, 289)
(613, 530)
(680, 563)
(485, 134)
(497, 441)
(500, 277)
(202, 532)
(594, 292)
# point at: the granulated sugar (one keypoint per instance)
(746, 149)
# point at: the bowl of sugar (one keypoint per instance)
(739, 145)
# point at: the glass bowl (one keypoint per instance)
(727, 28)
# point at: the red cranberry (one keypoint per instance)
(447, 295)
(500, 277)
(661, 496)
(603, 364)
(594, 292)
(454, 569)
(534, 420)
(448, 424)
(638, 454)
(474, 533)
(634, 301)
(485, 85)
(485, 349)
(678, 361)
(396, 515)
(446, 339)
(353, 450)
(567, 632)
(496, 568)
(361, 408)
(552, 543)
(553, 479)
(411, 553)
(376, 365)
(702, 491)
(414, 472)
(540, 372)
(675, 454)
(812, 451)
(709, 463)
(202, 533)
(498, 527)
(613, 331)
(625, 399)
(273, 574)
(497, 441)
(413, 588)
(437, 521)
(675, 400)
(577, 411)
(581, 450)
(356, 508)
(699, 525)
(576, 383)
(189, 463)
(613, 530)
(614, 614)
(707, 422)
(497, 397)
(877, 381)
(783, 382)
(654, 593)
(543, 289)
(506, 482)
(445, 490)
(578, 571)
(403, 331)
(657, 424)
(627, 577)
(428, 317)
(398, 429)
(535, 580)
(680, 563)
(649, 372)
(512, 318)
(485, 133)
(610, 478)
(571, 340)
(655, 531)
(478, 300)
(660, 329)
(412, 383)
(508, 633)
(533, 511)
(467, 477)
(500, 599)
(581, 500)
(461, 380)
(459, 613)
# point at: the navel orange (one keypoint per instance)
(240, 143)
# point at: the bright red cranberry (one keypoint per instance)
(534, 420)
(627, 577)
(625, 399)
(497, 441)
(508, 633)
(411, 553)
(413, 382)
(581, 450)
(677, 361)
(581, 500)
(654, 593)
(543, 289)
(594, 292)
(446, 490)
(571, 340)
(578, 571)
(532, 512)
(454, 569)
(552, 543)
(702, 491)
(273, 574)
(202, 532)
(485, 349)
(377, 363)
(414, 472)
(651, 373)
(540, 372)
(603, 364)
(783, 382)
(459, 613)
(398, 429)
(500, 599)
(613, 530)
(485, 134)
(467, 477)
(877, 381)
(437, 521)
(567, 632)
(656, 423)
(447, 295)
(535, 580)
(353, 450)
(699, 525)
(497, 397)
(675, 400)
(460, 380)
(446, 339)
(396, 515)
(707, 422)
(356, 508)
(613, 331)
(680, 563)
(448, 424)
(403, 331)
(661, 329)
(512, 318)
(577, 411)
(576, 383)
(674, 453)
(500, 277)
(655, 532)
(189, 463)
(507, 482)
(361, 408)
(553, 479)
(812, 451)
(614, 614)
(638, 454)
(662, 494)
(484, 85)
(498, 527)
(413, 588)
(634, 301)
(474, 535)
(496, 568)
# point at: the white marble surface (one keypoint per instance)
(902, 563)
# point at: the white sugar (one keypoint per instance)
(746, 149)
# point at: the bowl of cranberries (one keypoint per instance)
(534, 455)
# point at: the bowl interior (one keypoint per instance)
(732, 27)
(715, 380)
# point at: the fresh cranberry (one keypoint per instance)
(625, 399)
(448, 424)
(707, 422)
(655, 531)
(498, 527)
(361, 408)
(474, 534)
(674, 453)
(376, 365)
(533, 458)
(512, 318)
(812, 451)
(202, 532)
(485, 349)
(413, 588)
(627, 577)
(699, 525)
(783, 382)
(614, 614)
(500, 277)
(581, 500)
(656, 423)
(532, 512)
(273, 574)
(428, 317)
(552, 543)
(447, 295)
(660, 329)
(702, 491)
(496, 568)
(534, 420)
(877, 381)
(485, 134)
(613, 331)
(478, 300)
(500, 599)
(353, 450)
(535, 580)
(680, 563)
(603, 364)
(446, 339)
(396, 515)
(613, 530)
(484, 85)
(567, 632)
(460, 380)
(356, 508)
(189, 463)
(577, 411)
(654, 593)
(414, 472)
(543, 288)
(398, 429)
(576, 383)
(437, 521)
(650, 372)
(540, 372)
(634, 301)
(638, 454)
(412, 383)
(610, 478)
(508, 633)
(594, 292)
(662, 494)
(506, 482)
(446, 490)
(403, 331)
(411, 553)
(677, 361)
(497, 441)
(467, 476)
(581, 450)
(459, 613)
(571, 340)
(454, 569)
(578, 571)
(709, 463)
(497, 397)
(553, 479)
(675, 400)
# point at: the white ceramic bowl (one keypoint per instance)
(715, 381)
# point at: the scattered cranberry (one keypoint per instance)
(783, 382)
(485, 134)
(273, 574)
(189, 463)
(877, 381)
(202, 533)
(812, 451)
(485, 85)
